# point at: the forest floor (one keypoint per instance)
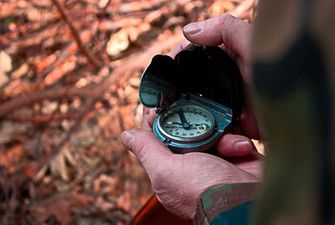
(69, 79)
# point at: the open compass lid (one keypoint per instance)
(206, 71)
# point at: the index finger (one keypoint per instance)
(148, 118)
(178, 48)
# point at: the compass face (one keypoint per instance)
(186, 123)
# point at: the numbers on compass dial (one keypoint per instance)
(187, 123)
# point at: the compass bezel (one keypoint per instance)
(162, 118)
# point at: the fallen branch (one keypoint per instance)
(51, 94)
(93, 60)
(47, 118)
(25, 117)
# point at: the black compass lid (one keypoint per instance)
(203, 70)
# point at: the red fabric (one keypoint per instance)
(153, 213)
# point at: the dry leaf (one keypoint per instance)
(117, 43)
(5, 62)
(134, 6)
(58, 166)
(153, 16)
(221, 6)
(49, 107)
(121, 40)
(102, 3)
(104, 184)
(10, 158)
(34, 14)
(19, 72)
(135, 82)
(40, 174)
(60, 71)
(5, 67)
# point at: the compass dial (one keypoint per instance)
(186, 123)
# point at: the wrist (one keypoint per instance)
(225, 202)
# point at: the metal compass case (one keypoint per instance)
(198, 95)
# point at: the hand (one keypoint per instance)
(179, 179)
(233, 35)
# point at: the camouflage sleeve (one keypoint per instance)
(293, 60)
(293, 54)
(226, 204)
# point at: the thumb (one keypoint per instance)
(147, 148)
(225, 30)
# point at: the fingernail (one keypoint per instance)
(192, 28)
(242, 146)
(127, 137)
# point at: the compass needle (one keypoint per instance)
(183, 120)
(186, 123)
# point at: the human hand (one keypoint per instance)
(232, 35)
(179, 179)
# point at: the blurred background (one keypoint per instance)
(69, 79)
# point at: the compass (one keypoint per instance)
(186, 123)
(197, 96)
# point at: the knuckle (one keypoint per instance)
(225, 19)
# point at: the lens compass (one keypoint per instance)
(197, 96)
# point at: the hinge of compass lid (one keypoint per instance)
(162, 104)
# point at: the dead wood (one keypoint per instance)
(49, 118)
(52, 94)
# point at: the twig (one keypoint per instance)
(27, 99)
(93, 60)
(23, 117)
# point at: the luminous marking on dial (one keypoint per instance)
(186, 123)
